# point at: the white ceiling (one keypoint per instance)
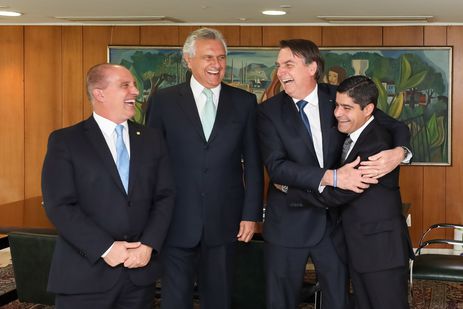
(243, 12)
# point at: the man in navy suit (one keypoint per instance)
(371, 235)
(211, 136)
(108, 189)
(300, 146)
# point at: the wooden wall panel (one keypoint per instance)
(352, 36)
(12, 125)
(231, 34)
(73, 78)
(403, 36)
(272, 35)
(124, 35)
(454, 176)
(183, 33)
(159, 36)
(250, 36)
(43, 106)
(435, 35)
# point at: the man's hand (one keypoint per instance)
(119, 252)
(138, 257)
(350, 178)
(382, 163)
(247, 229)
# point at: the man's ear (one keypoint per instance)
(98, 94)
(368, 110)
(187, 59)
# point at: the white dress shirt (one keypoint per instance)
(200, 97)
(108, 128)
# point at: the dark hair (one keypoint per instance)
(307, 50)
(361, 89)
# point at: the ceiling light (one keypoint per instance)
(102, 19)
(274, 12)
(10, 13)
(376, 19)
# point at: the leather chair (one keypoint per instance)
(442, 267)
(249, 278)
(31, 253)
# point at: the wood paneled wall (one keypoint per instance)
(42, 69)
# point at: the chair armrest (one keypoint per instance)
(438, 241)
(439, 226)
(446, 225)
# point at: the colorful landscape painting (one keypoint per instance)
(414, 83)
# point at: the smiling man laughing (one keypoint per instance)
(301, 148)
(210, 132)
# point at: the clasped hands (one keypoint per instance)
(131, 254)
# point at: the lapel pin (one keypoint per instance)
(138, 133)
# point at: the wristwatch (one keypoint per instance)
(406, 152)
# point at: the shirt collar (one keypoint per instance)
(355, 135)
(197, 88)
(106, 125)
(312, 98)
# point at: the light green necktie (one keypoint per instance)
(208, 113)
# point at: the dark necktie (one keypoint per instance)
(301, 104)
(345, 148)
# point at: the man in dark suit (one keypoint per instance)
(108, 190)
(210, 132)
(377, 243)
(300, 145)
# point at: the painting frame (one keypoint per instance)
(415, 82)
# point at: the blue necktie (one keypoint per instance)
(301, 104)
(208, 113)
(122, 161)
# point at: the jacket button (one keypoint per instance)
(125, 237)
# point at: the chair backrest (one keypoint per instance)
(249, 276)
(31, 254)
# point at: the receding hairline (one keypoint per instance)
(97, 76)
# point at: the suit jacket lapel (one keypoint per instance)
(224, 110)
(188, 105)
(136, 146)
(97, 140)
(326, 110)
(291, 117)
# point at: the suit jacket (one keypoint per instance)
(218, 182)
(372, 223)
(86, 201)
(290, 158)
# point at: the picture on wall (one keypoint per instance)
(414, 83)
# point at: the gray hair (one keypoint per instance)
(202, 34)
